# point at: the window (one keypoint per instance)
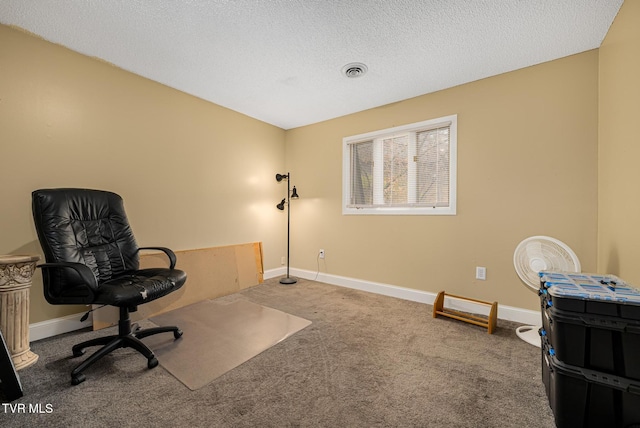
(404, 170)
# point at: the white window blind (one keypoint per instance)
(394, 171)
(404, 170)
(362, 178)
(432, 161)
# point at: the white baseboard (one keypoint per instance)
(508, 313)
(49, 328)
(272, 273)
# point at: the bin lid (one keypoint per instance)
(589, 286)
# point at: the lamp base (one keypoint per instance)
(288, 280)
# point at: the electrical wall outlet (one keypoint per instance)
(321, 253)
(481, 273)
(283, 260)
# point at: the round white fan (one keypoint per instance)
(535, 254)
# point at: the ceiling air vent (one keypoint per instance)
(354, 69)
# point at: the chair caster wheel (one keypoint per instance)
(153, 362)
(78, 352)
(177, 334)
(77, 379)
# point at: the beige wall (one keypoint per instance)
(619, 147)
(527, 165)
(192, 174)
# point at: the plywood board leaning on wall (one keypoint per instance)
(211, 272)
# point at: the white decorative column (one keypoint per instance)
(15, 281)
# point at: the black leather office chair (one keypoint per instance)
(92, 259)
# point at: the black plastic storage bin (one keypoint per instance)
(592, 321)
(597, 342)
(581, 397)
(590, 293)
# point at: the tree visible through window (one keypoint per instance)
(394, 170)
(362, 166)
(433, 162)
(404, 170)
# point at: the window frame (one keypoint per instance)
(451, 121)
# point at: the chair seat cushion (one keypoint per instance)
(141, 286)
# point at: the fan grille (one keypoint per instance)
(539, 253)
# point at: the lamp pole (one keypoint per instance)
(288, 279)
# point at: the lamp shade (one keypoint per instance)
(294, 193)
(280, 206)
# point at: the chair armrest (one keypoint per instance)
(170, 254)
(85, 273)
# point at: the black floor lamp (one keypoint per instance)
(290, 195)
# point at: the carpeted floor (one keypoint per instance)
(366, 360)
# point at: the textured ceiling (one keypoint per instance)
(280, 61)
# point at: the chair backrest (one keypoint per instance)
(85, 226)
